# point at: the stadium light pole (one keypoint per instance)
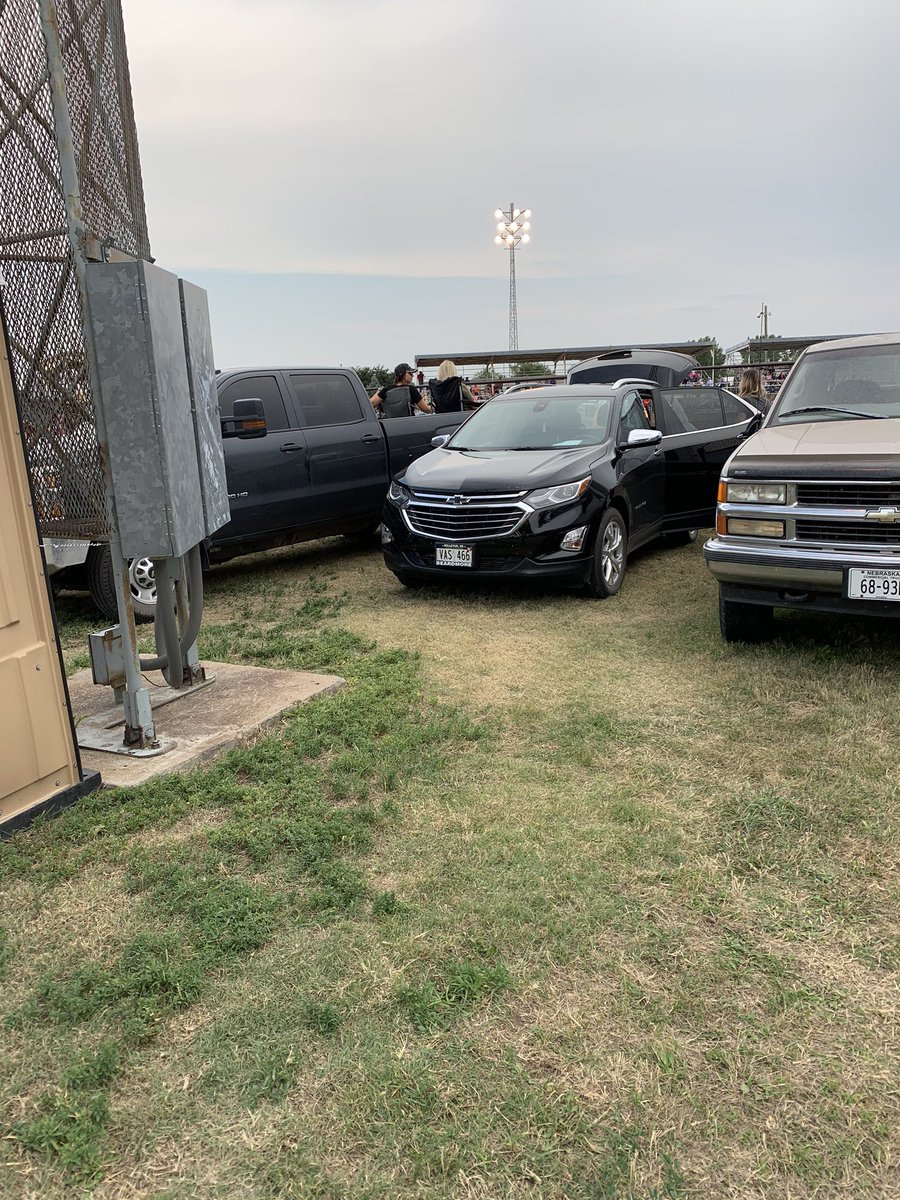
(512, 231)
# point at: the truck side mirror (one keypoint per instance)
(441, 440)
(247, 420)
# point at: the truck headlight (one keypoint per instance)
(756, 493)
(747, 528)
(398, 494)
(561, 493)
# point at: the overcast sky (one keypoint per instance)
(329, 169)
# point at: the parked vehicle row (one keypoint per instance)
(562, 483)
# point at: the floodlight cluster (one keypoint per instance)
(512, 227)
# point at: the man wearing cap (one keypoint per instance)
(402, 397)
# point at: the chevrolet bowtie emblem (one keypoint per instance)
(884, 516)
(458, 500)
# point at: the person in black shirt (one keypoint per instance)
(402, 398)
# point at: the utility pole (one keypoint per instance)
(763, 316)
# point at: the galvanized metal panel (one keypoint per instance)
(135, 311)
(205, 405)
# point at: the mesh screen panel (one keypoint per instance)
(41, 296)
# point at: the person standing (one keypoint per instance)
(402, 398)
(448, 392)
(751, 389)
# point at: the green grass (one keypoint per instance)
(554, 899)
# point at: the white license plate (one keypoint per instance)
(453, 556)
(873, 583)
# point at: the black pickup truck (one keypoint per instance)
(317, 464)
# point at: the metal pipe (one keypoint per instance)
(193, 621)
(167, 623)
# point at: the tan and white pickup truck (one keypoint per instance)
(809, 507)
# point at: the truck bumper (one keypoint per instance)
(789, 578)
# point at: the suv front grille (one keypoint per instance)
(849, 533)
(464, 518)
(848, 495)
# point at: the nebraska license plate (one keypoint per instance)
(453, 556)
(873, 583)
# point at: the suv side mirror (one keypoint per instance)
(247, 420)
(643, 437)
(753, 425)
(441, 440)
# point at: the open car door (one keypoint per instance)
(701, 426)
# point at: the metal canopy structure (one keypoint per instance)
(766, 345)
(494, 358)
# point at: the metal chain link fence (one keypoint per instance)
(43, 307)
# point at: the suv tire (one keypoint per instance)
(610, 556)
(750, 623)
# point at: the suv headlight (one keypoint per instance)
(398, 494)
(560, 493)
(756, 493)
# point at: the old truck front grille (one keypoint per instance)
(848, 533)
(465, 517)
(847, 495)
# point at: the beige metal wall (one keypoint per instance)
(38, 758)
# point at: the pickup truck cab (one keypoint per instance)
(561, 483)
(315, 462)
(809, 508)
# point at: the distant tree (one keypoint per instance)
(373, 377)
(486, 375)
(713, 357)
(530, 368)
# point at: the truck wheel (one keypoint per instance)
(102, 588)
(751, 623)
(363, 535)
(610, 556)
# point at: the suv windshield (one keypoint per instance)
(535, 421)
(840, 385)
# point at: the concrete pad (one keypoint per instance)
(202, 722)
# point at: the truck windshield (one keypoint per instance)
(842, 385)
(536, 421)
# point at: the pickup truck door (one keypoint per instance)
(268, 480)
(641, 471)
(701, 427)
(409, 438)
(348, 461)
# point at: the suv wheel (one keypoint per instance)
(610, 555)
(752, 623)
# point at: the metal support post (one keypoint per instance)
(139, 730)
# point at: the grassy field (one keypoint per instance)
(558, 898)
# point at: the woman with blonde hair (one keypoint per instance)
(448, 392)
(751, 389)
